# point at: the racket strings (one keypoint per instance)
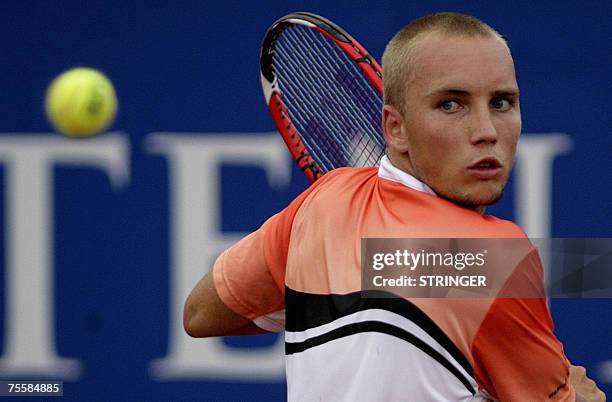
(300, 112)
(333, 106)
(349, 75)
(303, 103)
(355, 86)
(344, 78)
(345, 74)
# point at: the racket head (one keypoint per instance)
(324, 92)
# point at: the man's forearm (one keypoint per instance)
(586, 389)
(205, 314)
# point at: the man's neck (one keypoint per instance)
(401, 171)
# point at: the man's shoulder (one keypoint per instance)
(343, 179)
(348, 174)
(339, 188)
(506, 227)
(352, 187)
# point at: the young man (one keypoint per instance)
(451, 121)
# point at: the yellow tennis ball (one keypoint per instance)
(81, 102)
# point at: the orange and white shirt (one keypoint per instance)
(301, 272)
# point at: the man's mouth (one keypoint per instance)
(486, 168)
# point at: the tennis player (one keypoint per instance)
(451, 120)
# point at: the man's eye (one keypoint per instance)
(501, 104)
(449, 106)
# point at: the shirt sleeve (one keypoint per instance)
(250, 276)
(516, 354)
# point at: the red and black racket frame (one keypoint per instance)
(274, 97)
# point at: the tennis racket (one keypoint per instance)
(324, 92)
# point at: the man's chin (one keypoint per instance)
(476, 201)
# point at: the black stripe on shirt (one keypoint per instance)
(307, 310)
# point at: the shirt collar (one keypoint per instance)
(387, 171)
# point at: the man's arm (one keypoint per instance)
(206, 315)
(586, 389)
(249, 279)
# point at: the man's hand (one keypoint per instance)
(586, 389)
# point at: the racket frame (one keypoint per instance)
(274, 97)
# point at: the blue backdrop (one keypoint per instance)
(114, 224)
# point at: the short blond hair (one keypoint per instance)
(397, 58)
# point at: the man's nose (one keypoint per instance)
(483, 130)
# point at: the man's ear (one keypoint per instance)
(393, 129)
